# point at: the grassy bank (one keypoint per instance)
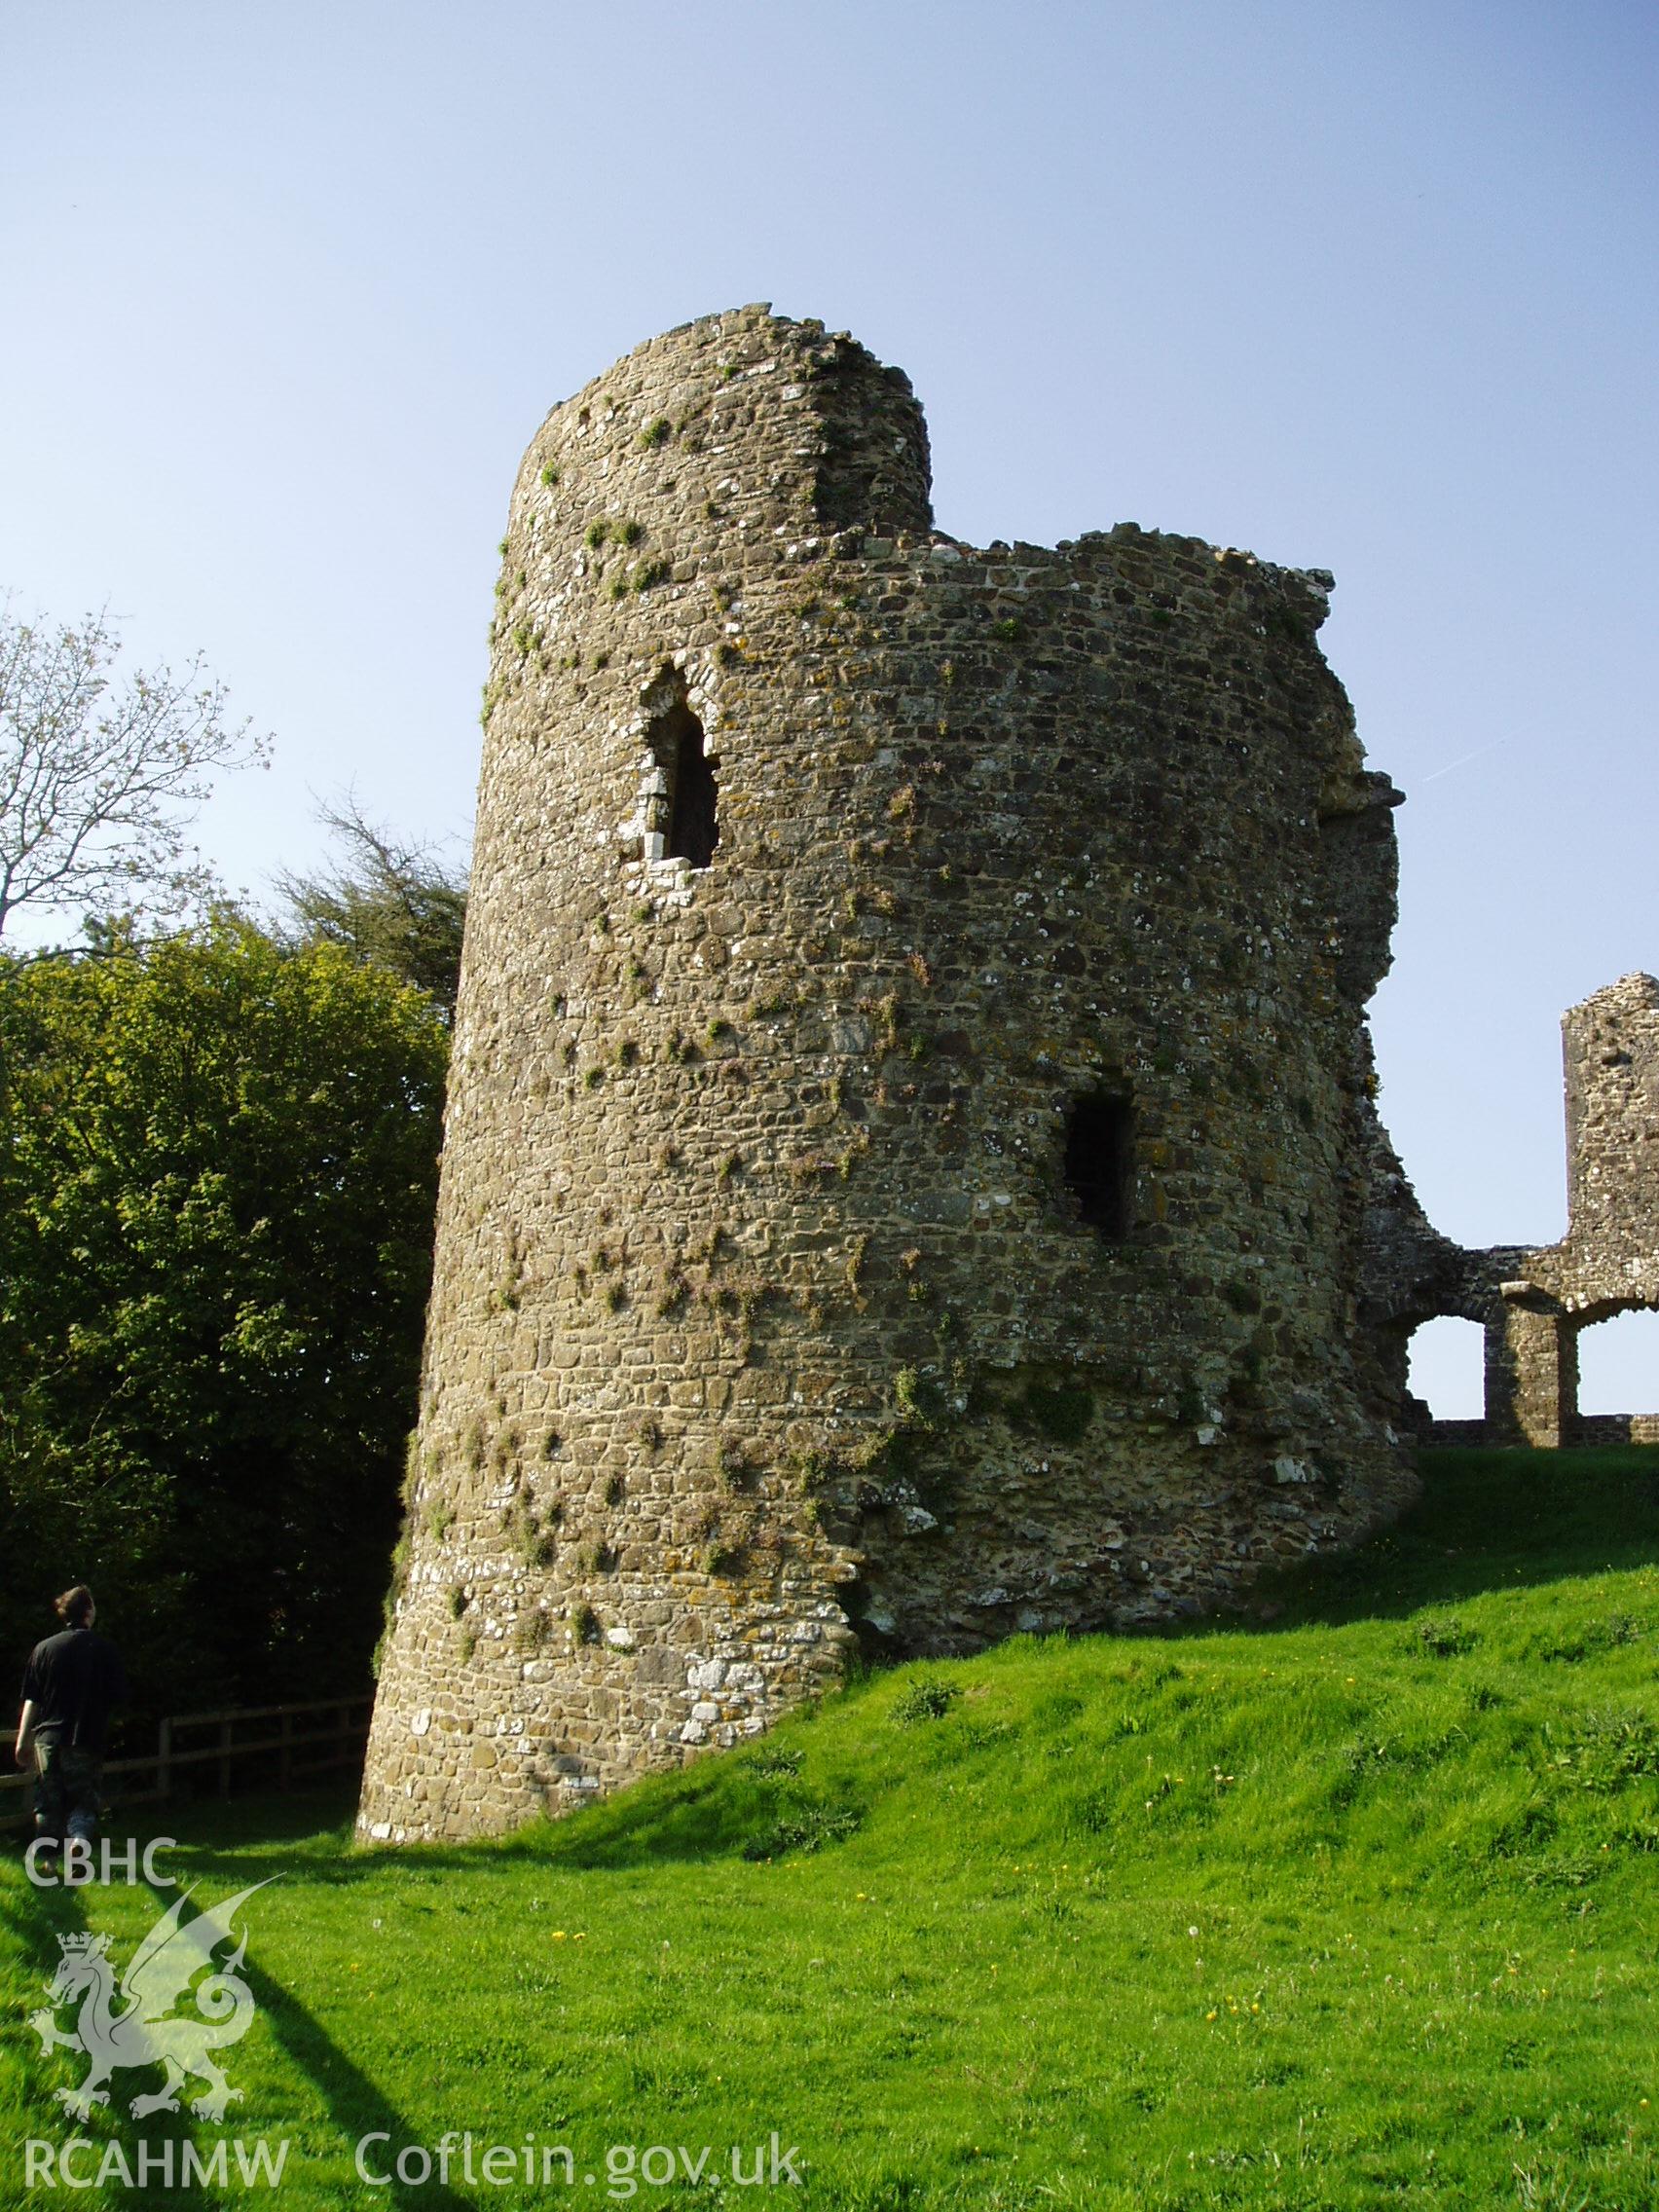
(1356, 1905)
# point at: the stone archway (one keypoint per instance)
(1533, 1372)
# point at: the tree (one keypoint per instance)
(218, 1163)
(387, 904)
(100, 778)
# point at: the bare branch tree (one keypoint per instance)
(100, 778)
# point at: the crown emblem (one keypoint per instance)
(84, 1945)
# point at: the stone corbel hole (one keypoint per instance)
(1100, 1161)
(678, 795)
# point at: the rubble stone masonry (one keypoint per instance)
(1534, 1303)
(1609, 1261)
(910, 1137)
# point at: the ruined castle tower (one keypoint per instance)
(908, 1130)
(1609, 1261)
(1535, 1303)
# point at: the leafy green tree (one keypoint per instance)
(218, 1165)
(388, 905)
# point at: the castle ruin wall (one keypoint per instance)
(910, 1139)
(1534, 1303)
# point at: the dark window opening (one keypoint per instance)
(1100, 1162)
(874, 1627)
(693, 828)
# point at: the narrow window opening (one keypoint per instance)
(691, 822)
(1100, 1162)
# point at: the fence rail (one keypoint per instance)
(291, 1745)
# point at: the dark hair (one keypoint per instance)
(75, 1605)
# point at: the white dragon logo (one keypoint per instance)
(144, 2033)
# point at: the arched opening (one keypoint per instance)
(1100, 1162)
(1446, 1368)
(1618, 1365)
(687, 815)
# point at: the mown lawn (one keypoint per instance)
(1356, 1908)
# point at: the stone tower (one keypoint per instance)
(1609, 1261)
(910, 1124)
(1535, 1303)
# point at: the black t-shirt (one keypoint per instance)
(74, 1679)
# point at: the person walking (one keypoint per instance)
(70, 1685)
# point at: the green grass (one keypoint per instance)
(1356, 1907)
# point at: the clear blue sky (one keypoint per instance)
(1361, 286)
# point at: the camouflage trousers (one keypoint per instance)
(68, 1791)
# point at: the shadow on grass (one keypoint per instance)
(32, 1919)
(355, 2104)
(1488, 1520)
(723, 1809)
(32, 1922)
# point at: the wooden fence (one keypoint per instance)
(267, 1746)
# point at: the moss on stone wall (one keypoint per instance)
(770, 1154)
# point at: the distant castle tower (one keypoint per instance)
(1535, 1304)
(910, 1127)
